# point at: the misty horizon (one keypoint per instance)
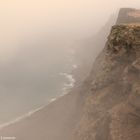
(36, 42)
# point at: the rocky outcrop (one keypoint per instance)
(128, 15)
(112, 108)
(106, 106)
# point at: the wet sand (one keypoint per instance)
(56, 121)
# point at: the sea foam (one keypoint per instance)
(65, 90)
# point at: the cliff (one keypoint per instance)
(112, 107)
(106, 106)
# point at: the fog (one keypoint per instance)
(35, 39)
(53, 18)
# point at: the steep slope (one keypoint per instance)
(58, 120)
(89, 49)
(112, 108)
(106, 106)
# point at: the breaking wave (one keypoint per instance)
(65, 90)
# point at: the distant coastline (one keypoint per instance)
(68, 86)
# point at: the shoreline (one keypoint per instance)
(65, 90)
(55, 121)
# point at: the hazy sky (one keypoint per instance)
(34, 35)
(71, 18)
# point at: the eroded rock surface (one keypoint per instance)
(112, 108)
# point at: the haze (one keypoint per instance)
(35, 36)
(70, 18)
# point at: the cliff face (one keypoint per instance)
(112, 107)
(106, 106)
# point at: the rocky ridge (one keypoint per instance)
(112, 107)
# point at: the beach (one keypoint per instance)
(56, 121)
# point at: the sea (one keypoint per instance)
(34, 78)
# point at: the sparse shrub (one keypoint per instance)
(124, 35)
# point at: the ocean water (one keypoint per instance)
(33, 79)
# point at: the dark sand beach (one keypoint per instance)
(56, 121)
